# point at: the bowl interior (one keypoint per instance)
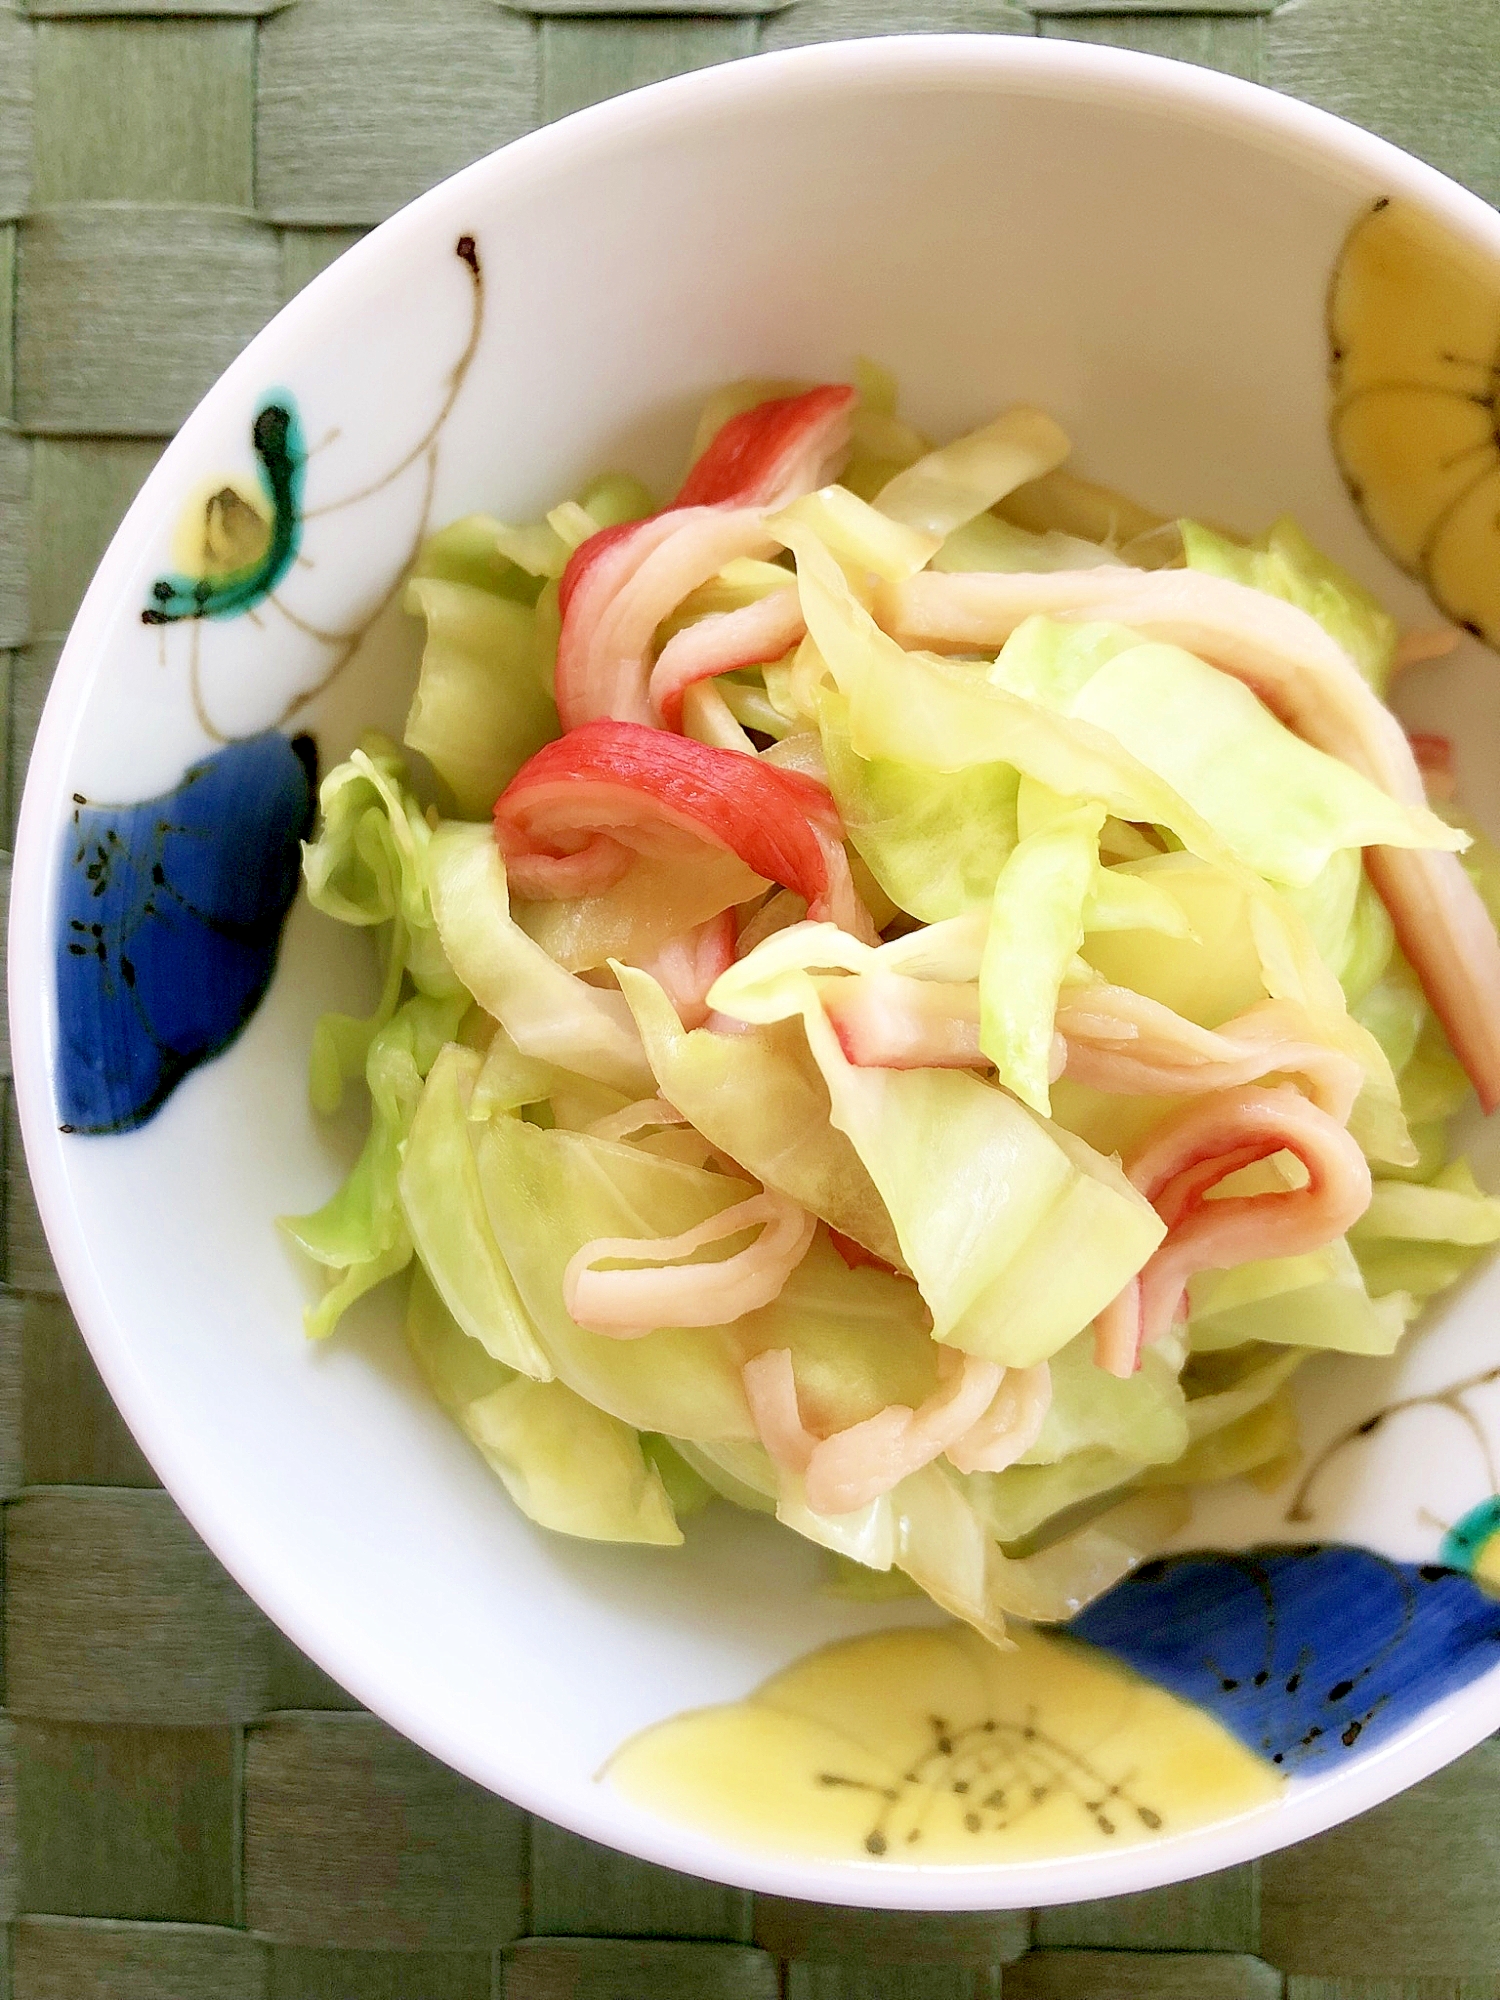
(1139, 249)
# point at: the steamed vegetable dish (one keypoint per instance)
(915, 996)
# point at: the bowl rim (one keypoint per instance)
(993, 64)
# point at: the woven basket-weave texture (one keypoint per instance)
(188, 1809)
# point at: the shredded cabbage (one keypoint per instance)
(480, 709)
(935, 841)
(1085, 860)
(1279, 806)
(761, 1097)
(567, 1465)
(443, 1206)
(360, 1233)
(984, 1197)
(1036, 929)
(1284, 563)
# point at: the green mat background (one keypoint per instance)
(188, 1809)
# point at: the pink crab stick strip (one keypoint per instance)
(1123, 1043)
(977, 1415)
(1188, 1156)
(747, 637)
(661, 1292)
(770, 455)
(621, 583)
(1434, 755)
(1110, 1038)
(686, 967)
(1286, 658)
(613, 605)
(574, 817)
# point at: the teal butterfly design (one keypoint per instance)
(276, 436)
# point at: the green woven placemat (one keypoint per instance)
(188, 1809)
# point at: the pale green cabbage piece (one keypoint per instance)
(1350, 927)
(761, 1098)
(1316, 1300)
(547, 1193)
(988, 543)
(360, 1233)
(858, 1338)
(933, 840)
(736, 1469)
(567, 1465)
(508, 1080)
(944, 1543)
(1140, 1415)
(1019, 1503)
(686, 1488)
(1100, 1431)
(1036, 929)
(1280, 806)
(931, 1528)
(616, 497)
(1208, 975)
(368, 866)
(1284, 563)
(1453, 1208)
(480, 707)
(1223, 1388)
(950, 716)
(655, 900)
(444, 1209)
(468, 551)
(1433, 1084)
(865, 540)
(947, 487)
(547, 1012)
(989, 1203)
(1264, 1444)
(854, 1583)
(1246, 944)
(1120, 901)
(1418, 1240)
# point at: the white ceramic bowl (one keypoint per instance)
(1141, 248)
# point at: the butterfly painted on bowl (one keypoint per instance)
(245, 553)
(171, 908)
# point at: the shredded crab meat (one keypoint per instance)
(1433, 642)
(649, 1114)
(720, 643)
(888, 1020)
(622, 583)
(1286, 658)
(661, 1291)
(841, 902)
(1434, 755)
(686, 966)
(622, 592)
(982, 1415)
(573, 817)
(1107, 1037)
(1011, 1425)
(1121, 1042)
(1180, 1164)
(772, 454)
